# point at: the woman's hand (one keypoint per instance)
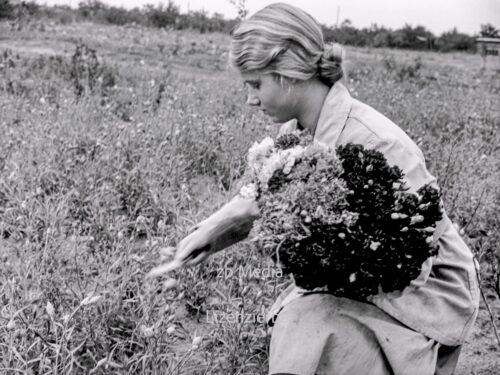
(230, 224)
(195, 247)
(192, 250)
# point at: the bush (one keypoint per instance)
(88, 75)
(345, 34)
(61, 14)
(455, 41)
(162, 16)
(89, 9)
(6, 9)
(402, 70)
(119, 16)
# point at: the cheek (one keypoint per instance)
(285, 103)
(267, 96)
(272, 95)
(277, 99)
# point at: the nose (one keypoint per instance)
(253, 100)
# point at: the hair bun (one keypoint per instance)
(333, 52)
(330, 67)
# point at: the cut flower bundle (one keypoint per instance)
(339, 220)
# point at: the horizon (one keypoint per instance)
(464, 15)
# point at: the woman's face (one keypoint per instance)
(268, 94)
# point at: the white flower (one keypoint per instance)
(258, 152)
(196, 342)
(249, 192)
(291, 156)
(289, 165)
(273, 163)
(66, 318)
(416, 219)
(352, 277)
(50, 309)
(147, 331)
(264, 159)
(11, 324)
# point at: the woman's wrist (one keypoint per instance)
(231, 224)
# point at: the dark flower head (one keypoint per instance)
(287, 141)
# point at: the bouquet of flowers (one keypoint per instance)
(339, 220)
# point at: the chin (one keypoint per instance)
(272, 118)
(278, 119)
(282, 120)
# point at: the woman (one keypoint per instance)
(295, 78)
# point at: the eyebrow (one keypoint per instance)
(251, 81)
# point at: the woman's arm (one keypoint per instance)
(228, 225)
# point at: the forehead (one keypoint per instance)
(251, 77)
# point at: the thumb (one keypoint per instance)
(191, 255)
(200, 257)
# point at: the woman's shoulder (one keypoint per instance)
(370, 128)
(367, 126)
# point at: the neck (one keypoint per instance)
(312, 99)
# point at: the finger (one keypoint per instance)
(183, 254)
(190, 254)
(164, 268)
(200, 257)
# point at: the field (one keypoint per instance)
(108, 157)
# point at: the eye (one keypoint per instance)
(252, 84)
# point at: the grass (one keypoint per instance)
(102, 165)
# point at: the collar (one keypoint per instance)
(333, 115)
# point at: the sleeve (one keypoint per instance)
(231, 224)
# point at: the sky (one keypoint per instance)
(436, 15)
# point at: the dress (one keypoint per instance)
(406, 332)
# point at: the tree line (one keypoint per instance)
(169, 16)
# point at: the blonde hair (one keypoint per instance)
(284, 40)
